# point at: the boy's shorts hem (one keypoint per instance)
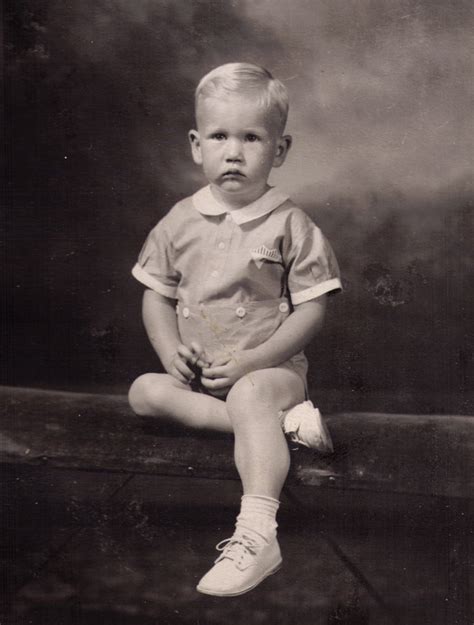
(298, 364)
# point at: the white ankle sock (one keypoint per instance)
(258, 515)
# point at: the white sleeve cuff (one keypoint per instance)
(316, 291)
(152, 283)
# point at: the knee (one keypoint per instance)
(138, 394)
(145, 394)
(247, 394)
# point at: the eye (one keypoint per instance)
(218, 136)
(251, 138)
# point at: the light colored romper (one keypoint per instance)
(236, 275)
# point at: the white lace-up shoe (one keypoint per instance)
(304, 425)
(242, 565)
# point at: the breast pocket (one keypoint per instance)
(264, 254)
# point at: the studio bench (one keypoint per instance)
(413, 455)
(385, 453)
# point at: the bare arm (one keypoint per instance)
(159, 318)
(291, 337)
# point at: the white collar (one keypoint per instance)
(205, 202)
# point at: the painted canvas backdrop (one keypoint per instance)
(98, 103)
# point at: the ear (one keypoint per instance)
(195, 142)
(282, 148)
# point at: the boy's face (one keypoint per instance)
(237, 143)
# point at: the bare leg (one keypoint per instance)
(262, 459)
(250, 411)
(161, 395)
(261, 451)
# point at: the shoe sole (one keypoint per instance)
(272, 571)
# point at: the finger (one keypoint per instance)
(179, 376)
(204, 358)
(215, 372)
(202, 363)
(221, 360)
(220, 383)
(196, 348)
(183, 368)
(185, 353)
(199, 352)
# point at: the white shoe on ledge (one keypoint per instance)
(304, 425)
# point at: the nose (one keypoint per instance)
(233, 151)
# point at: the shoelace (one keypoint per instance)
(237, 548)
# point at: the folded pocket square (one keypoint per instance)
(262, 253)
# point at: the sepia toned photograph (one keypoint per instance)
(237, 381)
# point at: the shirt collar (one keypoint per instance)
(205, 202)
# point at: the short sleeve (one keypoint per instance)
(155, 266)
(313, 269)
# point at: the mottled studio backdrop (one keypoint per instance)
(99, 99)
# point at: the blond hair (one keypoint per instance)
(247, 79)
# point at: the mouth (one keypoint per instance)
(233, 173)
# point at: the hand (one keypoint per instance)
(224, 372)
(187, 362)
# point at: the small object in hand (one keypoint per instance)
(195, 383)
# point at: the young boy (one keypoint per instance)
(237, 281)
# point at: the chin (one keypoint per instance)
(233, 185)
